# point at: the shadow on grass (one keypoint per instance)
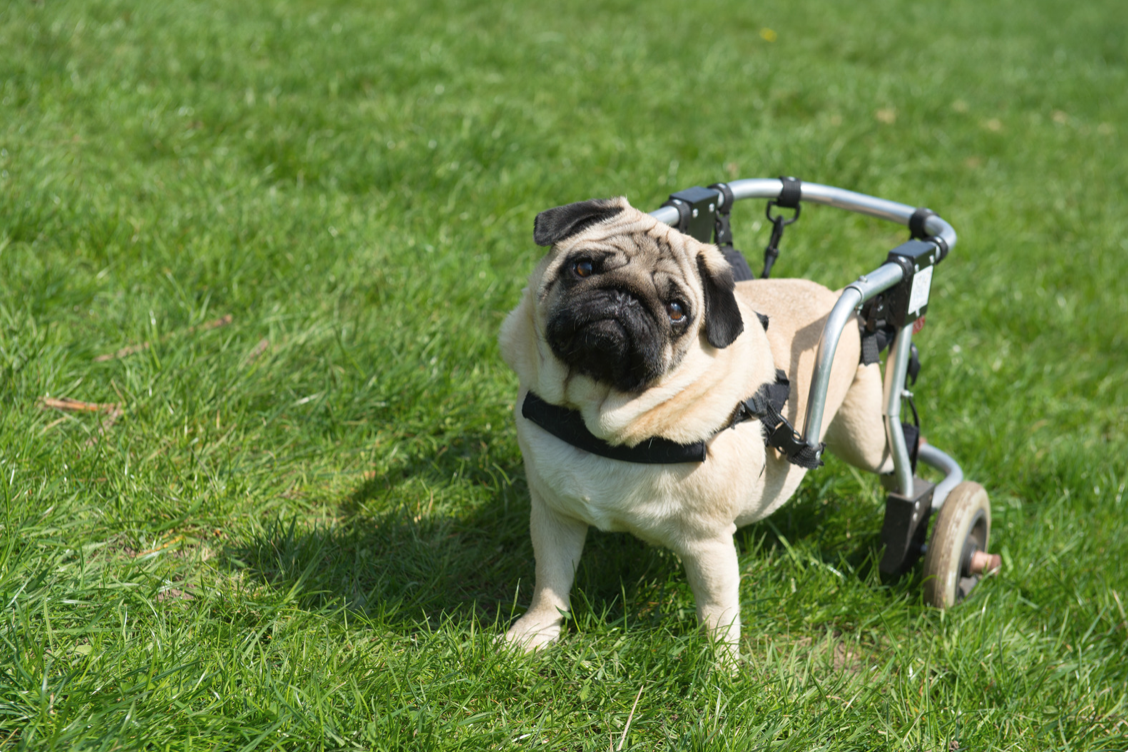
(824, 527)
(403, 566)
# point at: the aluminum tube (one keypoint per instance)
(874, 207)
(836, 322)
(756, 188)
(667, 214)
(879, 280)
(857, 202)
(953, 475)
(896, 367)
(861, 290)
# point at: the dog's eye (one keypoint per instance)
(676, 311)
(583, 268)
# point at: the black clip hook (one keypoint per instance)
(771, 253)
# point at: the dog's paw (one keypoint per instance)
(531, 635)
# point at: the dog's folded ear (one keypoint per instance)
(723, 322)
(554, 225)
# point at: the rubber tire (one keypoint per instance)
(966, 512)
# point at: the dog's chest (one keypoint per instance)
(610, 495)
(651, 501)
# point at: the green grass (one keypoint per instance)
(314, 543)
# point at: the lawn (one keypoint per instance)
(269, 246)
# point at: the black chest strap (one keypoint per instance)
(568, 426)
(766, 405)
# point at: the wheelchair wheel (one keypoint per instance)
(957, 555)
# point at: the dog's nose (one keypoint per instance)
(623, 299)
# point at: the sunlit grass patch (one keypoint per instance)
(305, 527)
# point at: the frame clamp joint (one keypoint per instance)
(697, 211)
(917, 231)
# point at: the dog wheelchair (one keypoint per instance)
(890, 303)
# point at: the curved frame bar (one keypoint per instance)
(826, 195)
(953, 475)
(855, 294)
(840, 198)
(852, 297)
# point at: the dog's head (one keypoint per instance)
(624, 297)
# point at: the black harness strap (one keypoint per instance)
(568, 426)
(766, 405)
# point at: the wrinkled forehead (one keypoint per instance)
(630, 234)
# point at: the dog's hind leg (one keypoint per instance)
(714, 576)
(857, 432)
(558, 542)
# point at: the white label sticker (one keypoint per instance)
(922, 284)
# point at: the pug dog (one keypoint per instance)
(637, 357)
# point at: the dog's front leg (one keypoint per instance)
(714, 577)
(557, 544)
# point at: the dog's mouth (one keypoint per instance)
(609, 335)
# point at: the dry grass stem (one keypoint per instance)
(630, 717)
